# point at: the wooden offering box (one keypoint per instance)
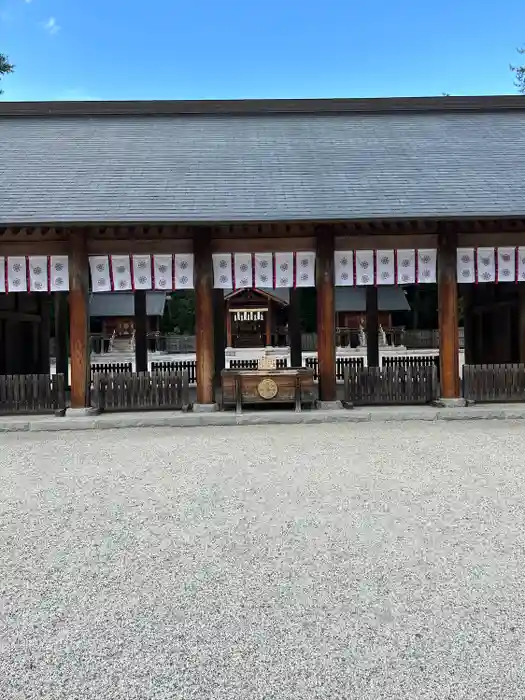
(267, 386)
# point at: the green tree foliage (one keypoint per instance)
(519, 74)
(5, 67)
(179, 314)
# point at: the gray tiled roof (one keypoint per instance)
(123, 304)
(389, 298)
(198, 168)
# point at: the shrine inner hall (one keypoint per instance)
(261, 196)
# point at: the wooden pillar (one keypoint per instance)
(44, 333)
(372, 327)
(61, 335)
(141, 331)
(326, 314)
(204, 317)
(469, 338)
(268, 321)
(448, 315)
(521, 320)
(79, 320)
(294, 328)
(219, 323)
(228, 327)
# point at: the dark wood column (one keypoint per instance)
(61, 334)
(219, 327)
(228, 327)
(141, 331)
(44, 333)
(372, 327)
(294, 328)
(448, 315)
(521, 321)
(204, 317)
(79, 320)
(467, 295)
(326, 314)
(268, 324)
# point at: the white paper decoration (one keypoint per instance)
(406, 266)
(426, 265)
(466, 270)
(100, 275)
(38, 273)
(222, 271)
(385, 267)
(163, 273)
(486, 265)
(141, 267)
(364, 267)
(284, 269)
(184, 271)
(506, 263)
(121, 273)
(263, 269)
(17, 274)
(305, 269)
(243, 270)
(344, 268)
(2, 275)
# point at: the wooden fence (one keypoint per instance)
(340, 364)
(369, 386)
(189, 366)
(32, 393)
(491, 383)
(110, 368)
(141, 391)
(411, 361)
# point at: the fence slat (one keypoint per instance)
(32, 393)
(493, 383)
(158, 390)
(390, 385)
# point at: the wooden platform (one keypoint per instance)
(293, 386)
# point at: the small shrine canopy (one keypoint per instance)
(122, 304)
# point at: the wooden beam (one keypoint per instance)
(326, 314)
(372, 327)
(141, 331)
(448, 315)
(294, 328)
(79, 320)
(204, 318)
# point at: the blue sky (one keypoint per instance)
(125, 49)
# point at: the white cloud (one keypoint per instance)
(51, 25)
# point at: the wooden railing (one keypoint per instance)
(141, 391)
(110, 368)
(411, 361)
(32, 393)
(368, 386)
(189, 366)
(492, 383)
(340, 364)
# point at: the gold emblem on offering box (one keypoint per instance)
(267, 388)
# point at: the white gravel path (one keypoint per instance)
(340, 561)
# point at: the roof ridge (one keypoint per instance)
(485, 103)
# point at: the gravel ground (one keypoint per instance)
(339, 561)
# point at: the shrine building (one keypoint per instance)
(249, 202)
